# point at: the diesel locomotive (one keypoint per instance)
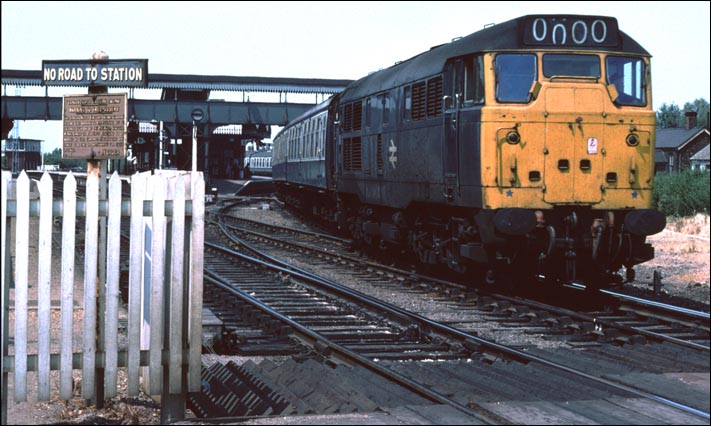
(525, 149)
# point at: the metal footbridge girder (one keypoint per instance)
(217, 113)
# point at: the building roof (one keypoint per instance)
(702, 155)
(676, 137)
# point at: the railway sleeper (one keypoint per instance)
(369, 349)
(399, 355)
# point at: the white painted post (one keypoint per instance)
(68, 244)
(135, 277)
(44, 276)
(157, 283)
(22, 226)
(113, 259)
(176, 287)
(90, 285)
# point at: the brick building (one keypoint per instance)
(676, 146)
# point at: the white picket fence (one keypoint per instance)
(166, 214)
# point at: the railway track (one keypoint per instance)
(623, 320)
(481, 352)
(465, 369)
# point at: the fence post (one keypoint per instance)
(197, 244)
(135, 277)
(157, 283)
(172, 398)
(44, 276)
(88, 383)
(22, 226)
(113, 259)
(68, 246)
(6, 280)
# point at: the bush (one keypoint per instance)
(682, 194)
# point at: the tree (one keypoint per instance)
(669, 116)
(701, 107)
(54, 157)
(672, 116)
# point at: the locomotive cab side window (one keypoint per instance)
(474, 80)
(407, 100)
(515, 73)
(628, 76)
(384, 102)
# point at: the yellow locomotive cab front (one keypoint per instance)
(571, 143)
(567, 160)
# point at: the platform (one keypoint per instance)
(231, 187)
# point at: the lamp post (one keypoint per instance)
(197, 116)
(160, 145)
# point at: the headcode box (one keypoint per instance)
(94, 126)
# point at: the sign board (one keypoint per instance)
(99, 72)
(94, 126)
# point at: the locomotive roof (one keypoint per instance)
(500, 37)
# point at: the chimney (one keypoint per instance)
(690, 120)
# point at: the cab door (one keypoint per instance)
(452, 102)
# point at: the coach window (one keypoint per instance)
(300, 142)
(312, 139)
(293, 142)
(314, 136)
(515, 73)
(474, 80)
(628, 76)
(289, 144)
(319, 140)
(307, 139)
(324, 133)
